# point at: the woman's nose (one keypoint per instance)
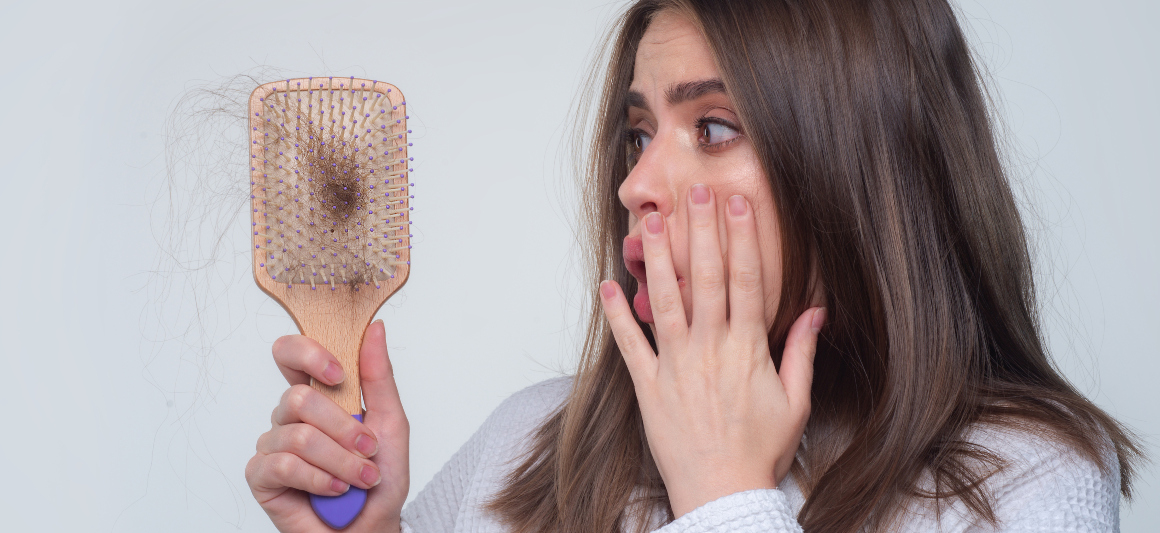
(650, 185)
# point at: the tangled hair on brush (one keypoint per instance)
(872, 127)
(329, 184)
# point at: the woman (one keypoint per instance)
(762, 172)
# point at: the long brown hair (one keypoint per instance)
(870, 122)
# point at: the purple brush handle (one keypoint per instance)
(339, 511)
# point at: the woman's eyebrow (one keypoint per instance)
(635, 99)
(692, 90)
(679, 93)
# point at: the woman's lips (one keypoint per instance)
(634, 261)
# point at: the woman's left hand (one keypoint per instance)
(718, 416)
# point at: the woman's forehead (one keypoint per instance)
(672, 51)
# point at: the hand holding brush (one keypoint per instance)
(315, 447)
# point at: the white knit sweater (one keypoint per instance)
(1045, 487)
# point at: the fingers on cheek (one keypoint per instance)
(615, 310)
(739, 218)
(655, 238)
(747, 298)
(633, 346)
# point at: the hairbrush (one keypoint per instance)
(330, 196)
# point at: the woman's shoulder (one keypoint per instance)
(477, 471)
(1026, 447)
(526, 409)
(1043, 479)
(546, 395)
(1034, 480)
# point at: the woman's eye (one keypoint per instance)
(716, 133)
(640, 140)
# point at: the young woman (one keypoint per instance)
(832, 321)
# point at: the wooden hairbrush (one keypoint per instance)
(330, 198)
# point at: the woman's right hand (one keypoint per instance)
(315, 446)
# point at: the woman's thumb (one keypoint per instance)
(376, 374)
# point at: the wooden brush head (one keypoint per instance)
(330, 205)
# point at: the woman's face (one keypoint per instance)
(686, 132)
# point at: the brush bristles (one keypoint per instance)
(330, 190)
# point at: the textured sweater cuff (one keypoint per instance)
(753, 511)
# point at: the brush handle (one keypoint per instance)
(339, 511)
(338, 324)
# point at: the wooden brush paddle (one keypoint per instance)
(330, 198)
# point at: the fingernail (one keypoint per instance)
(819, 319)
(366, 446)
(654, 222)
(369, 476)
(333, 373)
(700, 194)
(607, 289)
(337, 485)
(736, 205)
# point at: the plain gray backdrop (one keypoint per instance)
(138, 383)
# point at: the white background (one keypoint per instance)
(123, 411)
